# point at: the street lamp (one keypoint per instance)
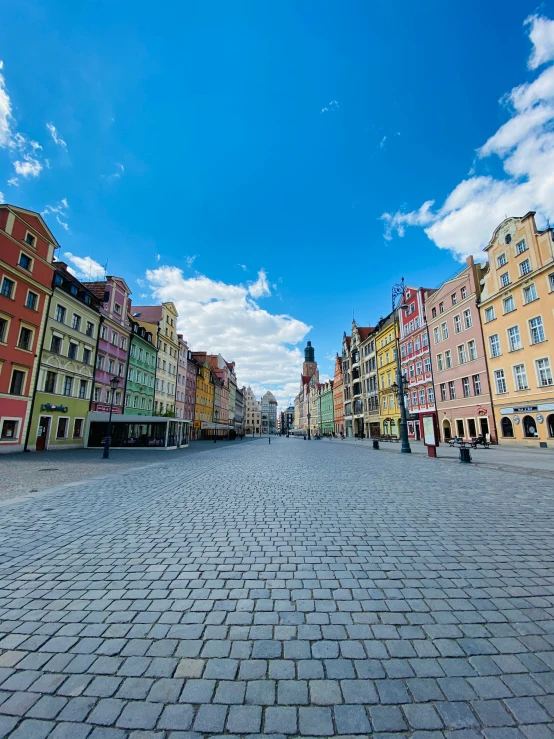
(309, 437)
(398, 291)
(114, 384)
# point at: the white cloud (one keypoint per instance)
(117, 174)
(243, 266)
(29, 167)
(524, 145)
(260, 288)
(13, 182)
(56, 136)
(2, 198)
(332, 106)
(59, 210)
(190, 260)
(220, 317)
(84, 268)
(158, 257)
(382, 142)
(5, 111)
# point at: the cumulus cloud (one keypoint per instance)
(84, 268)
(260, 288)
(221, 317)
(28, 167)
(524, 145)
(56, 136)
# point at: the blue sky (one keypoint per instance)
(238, 157)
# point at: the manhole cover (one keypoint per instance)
(48, 469)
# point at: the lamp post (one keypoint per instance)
(309, 436)
(114, 384)
(398, 387)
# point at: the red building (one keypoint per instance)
(26, 254)
(415, 359)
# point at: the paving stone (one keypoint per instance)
(210, 719)
(422, 716)
(32, 729)
(106, 711)
(351, 720)
(387, 718)
(244, 719)
(178, 717)
(70, 731)
(198, 691)
(139, 715)
(315, 721)
(47, 707)
(292, 692)
(456, 715)
(492, 713)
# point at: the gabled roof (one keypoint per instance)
(23, 212)
(149, 313)
(364, 331)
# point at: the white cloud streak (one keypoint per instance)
(221, 317)
(524, 145)
(84, 268)
(60, 211)
(56, 136)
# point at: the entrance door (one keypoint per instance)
(484, 422)
(42, 436)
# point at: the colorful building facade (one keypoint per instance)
(113, 343)
(141, 371)
(517, 314)
(386, 333)
(338, 397)
(461, 384)
(326, 409)
(66, 366)
(26, 253)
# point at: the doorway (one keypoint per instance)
(447, 434)
(460, 431)
(484, 427)
(42, 435)
(530, 427)
(550, 424)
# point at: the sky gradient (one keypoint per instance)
(270, 166)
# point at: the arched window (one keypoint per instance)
(550, 424)
(385, 427)
(530, 427)
(507, 428)
(447, 434)
(392, 428)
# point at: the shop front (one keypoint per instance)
(528, 424)
(132, 432)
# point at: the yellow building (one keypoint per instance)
(517, 315)
(386, 353)
(205, 395)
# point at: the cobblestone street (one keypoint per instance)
(292, 589)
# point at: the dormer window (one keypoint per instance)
(117, 308)
(58, 280)
(73, 290)
(508, 238)
(30, 239)
(107, 296)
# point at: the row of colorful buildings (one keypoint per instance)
(475, 354)
(71, 351)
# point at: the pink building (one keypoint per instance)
(458, 354)
(181, 378)
(113, 342)
(415, 359)
(190, 390)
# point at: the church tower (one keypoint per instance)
(309, 368)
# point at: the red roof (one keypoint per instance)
(364, 331)
(149, 313)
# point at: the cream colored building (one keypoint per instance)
(517, 314)
(252, 413)
(161, 320)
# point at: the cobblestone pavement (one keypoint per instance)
(288, 589)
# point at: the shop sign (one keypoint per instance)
(482, 411)
(50, 407)
(106, 408)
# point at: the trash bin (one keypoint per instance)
(465, 456)
(376, 443)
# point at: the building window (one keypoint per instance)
(76, 322)
(529, 427)
(10, 429)
(462, 358)
(422, 397)
(529, 294)
(537, 330)
(448, 359)
(424, 339)
(50, 382)
(97, 393)
(83, 389)
(100, 362)
(441, 307)
(87, 354)
(472, 347)
(25, 341)
(427, 364)
(504, 279)
(89, 329)
(452, 390)
(444, 331)
(514, 338)
(56, 345)
(25, 262)
(32, 300)
(114, 338)
(72, 352)
(454, 298)
(18, 382)
(489, 314)
(521, 246)
(501, 260)
(525, 267)
(509, 304)
(464, 293)
(7, 288)
(468, 321)
(494, 344)
(418, 368)
(61, 431)
(60, 314)
(103, 332)
(117, 400)
(430, 395)
(544, 372)
(476, 384)
(111, 365)
(500, 382)
(67, 385)
(384, 402)
(412, 373)
(465, 386)
(3, 330)
(30, 239)
(117, 308)
(120, 369)
(551, 281)
(457, 324)
(507, 428)
(78, 428)
(520, 377)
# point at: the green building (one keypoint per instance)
(66, 366)
(141, 372)
(326, 409)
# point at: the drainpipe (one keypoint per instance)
(34, 395)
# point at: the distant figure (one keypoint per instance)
(269, 439)
(342, 436)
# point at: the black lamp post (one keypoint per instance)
(309, 437)
(398, 291)
(114, 384)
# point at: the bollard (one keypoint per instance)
(465, 456)
(376, 443)
(269, 439)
